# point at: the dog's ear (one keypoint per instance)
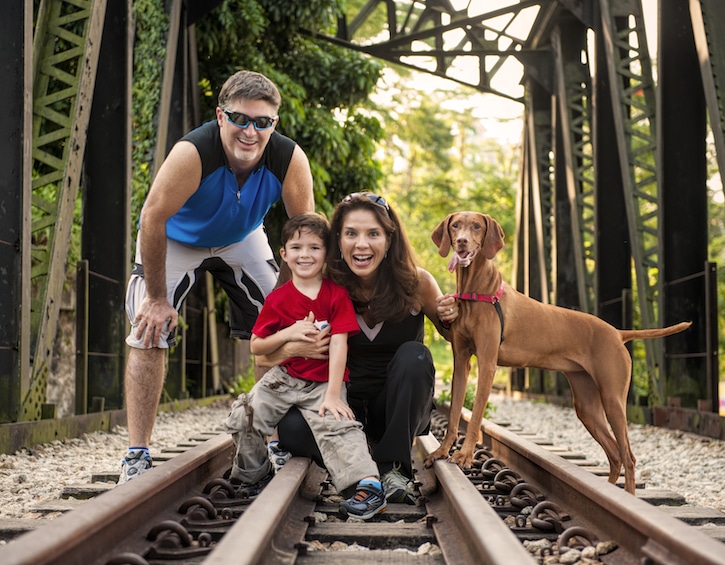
(441, 237)
(494, 237)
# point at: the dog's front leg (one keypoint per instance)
(461, 369)
(486, 371)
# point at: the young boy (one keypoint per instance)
(297, 310)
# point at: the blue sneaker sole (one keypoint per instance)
(365, 516)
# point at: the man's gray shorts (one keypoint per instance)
(247, 271)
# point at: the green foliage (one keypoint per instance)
(324, 88)
(434, 163)
(376, 20)
(148, 57)
(243, 383)
(469, 400)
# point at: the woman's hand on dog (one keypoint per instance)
(447, 308)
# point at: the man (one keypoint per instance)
(204, 212)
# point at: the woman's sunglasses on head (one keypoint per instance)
(371, 196)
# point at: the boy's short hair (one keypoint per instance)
(317, 224)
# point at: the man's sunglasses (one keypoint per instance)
(374, 198)
(243, 121)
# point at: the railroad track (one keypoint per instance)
(521, 503)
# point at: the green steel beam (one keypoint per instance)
(573, 87)
(707, 19)
(539, 148)
(470, 46)
(16, 32)
(633, 95)
(65, 53)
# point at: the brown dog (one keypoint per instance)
(503, 327)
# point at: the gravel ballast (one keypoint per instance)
(693, 466)
(39, 474)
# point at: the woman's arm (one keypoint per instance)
(303, 331)
(441, 309)
(318, 348)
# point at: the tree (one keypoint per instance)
(324, 88)
(436, 160)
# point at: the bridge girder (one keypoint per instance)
(570, 136)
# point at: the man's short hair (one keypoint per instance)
(248, 85)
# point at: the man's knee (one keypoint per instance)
(146, 363)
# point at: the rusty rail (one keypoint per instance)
(75, 537)
(634, 524)
(279, 526)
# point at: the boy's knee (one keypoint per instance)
(241, 416)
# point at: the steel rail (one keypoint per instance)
(467, 528)
(251, 540)
(488, 540)
(273, 528)
(120, 512)
(634, 524)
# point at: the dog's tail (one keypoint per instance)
(629, 335)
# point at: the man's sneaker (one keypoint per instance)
(367, 501)
(277, 455)
(135, 463)
(397, 486)
(250, 491)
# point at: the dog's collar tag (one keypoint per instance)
(492, 298)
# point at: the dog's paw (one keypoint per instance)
(462, 458)
(437, 454)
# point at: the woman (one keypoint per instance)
(392, 377)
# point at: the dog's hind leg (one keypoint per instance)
(591, 412)
(613, 387)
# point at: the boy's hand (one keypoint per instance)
(337, 408)
(315, 344)
(302, 330)
(318, 348)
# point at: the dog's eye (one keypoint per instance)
(455, 225)
(476, 226)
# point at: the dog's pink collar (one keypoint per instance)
(492, 298)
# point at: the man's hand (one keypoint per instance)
(154, 316)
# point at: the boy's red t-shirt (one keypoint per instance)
(286, 305)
